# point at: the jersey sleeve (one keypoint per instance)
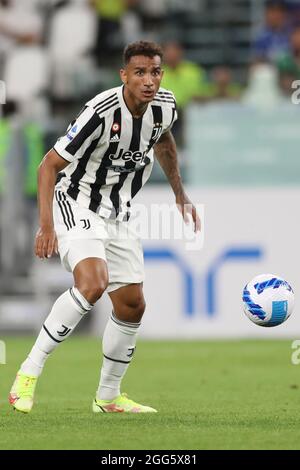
(173, 116)
(81, 133)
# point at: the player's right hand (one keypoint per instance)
(45, 243)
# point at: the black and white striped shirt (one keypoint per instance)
(111, 152)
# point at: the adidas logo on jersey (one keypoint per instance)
(136, 157)
(115, 138)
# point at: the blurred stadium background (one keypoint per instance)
(231, 65)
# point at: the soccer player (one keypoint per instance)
(86, 184)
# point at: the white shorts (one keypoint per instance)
(83, 234)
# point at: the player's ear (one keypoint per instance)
(123, 76)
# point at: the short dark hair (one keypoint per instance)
(146, 48)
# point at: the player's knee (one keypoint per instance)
(93, 290)
(137, 308)
(141, 310)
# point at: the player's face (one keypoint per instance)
(142, 77)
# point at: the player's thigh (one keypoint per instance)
(125, 261)
(81, 238)
(87, 261)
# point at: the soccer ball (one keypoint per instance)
(268, 300)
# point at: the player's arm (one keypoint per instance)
(46, 240)
(85, 129)
(166, 154)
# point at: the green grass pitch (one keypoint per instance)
(210, 395)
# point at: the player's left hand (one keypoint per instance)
(186, 207)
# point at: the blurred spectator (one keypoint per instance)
(72, 36)
(24, 60)
(154, 15)
(109, 32)
(263, 90)
(294, 11)
(273, 40)
(289, 64)
(131, 24)
(20, 24)
(222, 86)
(186, 79)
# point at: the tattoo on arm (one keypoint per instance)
(166, 154)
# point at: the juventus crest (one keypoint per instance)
(157, 131)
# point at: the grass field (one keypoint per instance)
(210, 395)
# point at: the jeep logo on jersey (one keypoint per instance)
(136, 157)
(123, 169)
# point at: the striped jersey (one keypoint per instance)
(111, 152)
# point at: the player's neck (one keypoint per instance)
(136, 108)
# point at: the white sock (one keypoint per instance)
(66, 313)
(118, 346)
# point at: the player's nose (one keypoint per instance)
(148, 80)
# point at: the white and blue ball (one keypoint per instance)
(268, 300)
